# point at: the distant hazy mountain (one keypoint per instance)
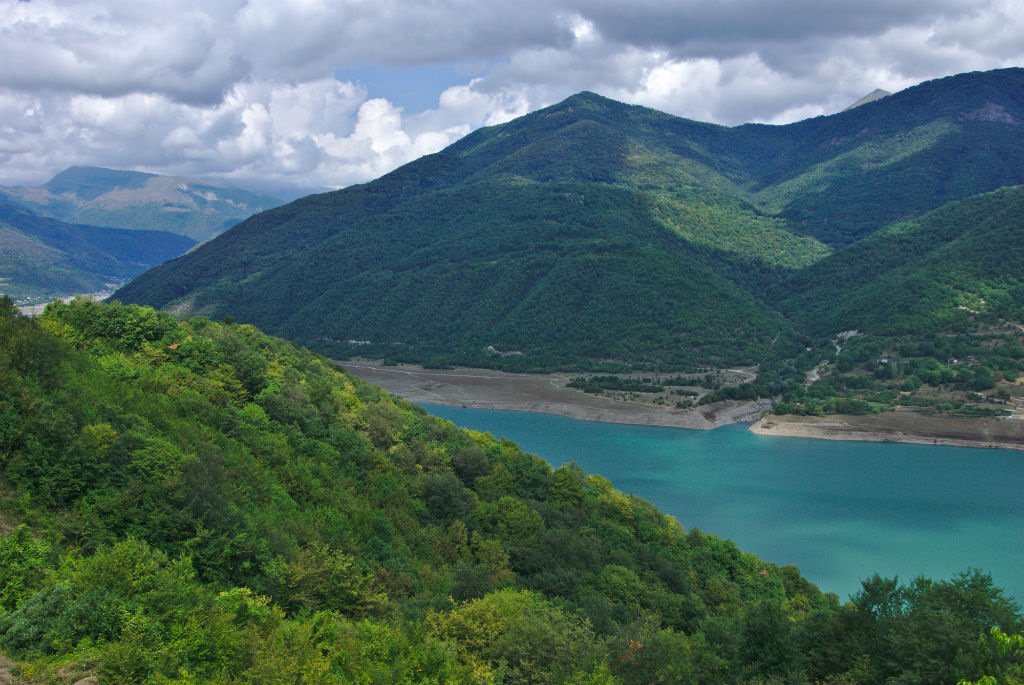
(135, 200)
(876, 94)
(41, 257)
(593, 230)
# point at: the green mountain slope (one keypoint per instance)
(850, 174)
(46, 258)
(559, 236)
(556, 271)
(193, 502)
(920, 276)
(592, 232)
(135, 200)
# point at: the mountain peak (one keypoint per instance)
(584, 99)
(89, 182)
(876, 94)
(587, 96)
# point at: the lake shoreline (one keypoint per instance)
(548, 394)
(543, 394)
(904, 427)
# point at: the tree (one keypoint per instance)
(1009, 659)
(519, 634)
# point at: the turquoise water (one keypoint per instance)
(839, 511)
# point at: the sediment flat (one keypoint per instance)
(907, 427)
(543, 393)
(548, 394)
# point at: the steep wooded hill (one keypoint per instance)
(42, 257)
(195, 502)
(923, 275)
(593, 232)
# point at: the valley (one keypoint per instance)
(115, 198)
(191, 490)
(90, 230)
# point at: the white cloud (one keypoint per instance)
(111, 49)
(244, 88)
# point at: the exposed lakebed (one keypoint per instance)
(838, 510)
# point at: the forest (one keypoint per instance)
(197, 502)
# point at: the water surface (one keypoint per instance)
(840, 511)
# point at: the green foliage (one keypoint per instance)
(24, 562)
(1009, 659)
(933, 273)
(524, 276)
(222, 507)
(518, 637)
(928, 631)
(962, 375)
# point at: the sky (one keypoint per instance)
(286, 96)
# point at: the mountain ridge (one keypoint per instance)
(745, 207)
(47, 258)
(116, 198)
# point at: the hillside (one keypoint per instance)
(188, 502)
(135, 200)
(42, 258)
(922, 275)
(593, 234)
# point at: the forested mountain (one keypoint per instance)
(593, 233)
(921, 275)
(195, 502)
(45, 258)
(135, 200)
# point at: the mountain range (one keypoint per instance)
(43, 258)
(593, 232)
(134, 200)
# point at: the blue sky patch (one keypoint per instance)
(414, 88)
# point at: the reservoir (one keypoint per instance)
(839, 511)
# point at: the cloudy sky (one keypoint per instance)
(276, 94)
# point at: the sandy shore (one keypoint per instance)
(547, 394)
(899, 427)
